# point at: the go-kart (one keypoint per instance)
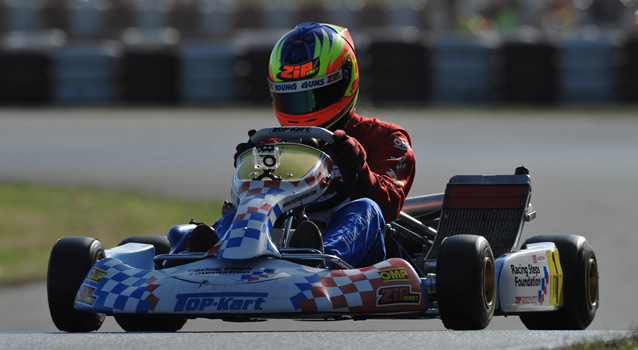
(465, 271)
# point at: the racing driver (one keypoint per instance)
(321, 59)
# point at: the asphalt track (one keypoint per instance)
(582, 162)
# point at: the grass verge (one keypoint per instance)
(33, 217)
(630, 343)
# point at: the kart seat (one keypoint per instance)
(494, 207)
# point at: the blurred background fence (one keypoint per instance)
(410, 51)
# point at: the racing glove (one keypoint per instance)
(242, 147)
(350, 156)
(346, 152)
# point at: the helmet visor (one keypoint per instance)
(307, 96)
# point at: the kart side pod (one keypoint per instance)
(137, 255)
(530, 279)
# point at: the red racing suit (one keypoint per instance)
(387, 176)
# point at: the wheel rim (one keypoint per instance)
(592, 283)
(488, 282)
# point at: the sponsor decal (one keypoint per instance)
(397, 295)
(307, 69)
(530, 275)
(527, 282)
(96, 275)
(537, 258)
(333, 78)
(392, 175)
(291, 129)
(309, 84)
(85, 295)
(525, 270)
(393, 275)
(526, 300)
(196, 302)
(300, 198)
(401, 143)
(283, 87)
(220, 271)
(401, 165)
(352, 232)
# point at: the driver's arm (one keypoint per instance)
(388, 172)
(385, 164)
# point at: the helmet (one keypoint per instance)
(313, 75)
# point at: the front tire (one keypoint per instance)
(71, 259)
(580, 285)
(465, 282)
(150, 323)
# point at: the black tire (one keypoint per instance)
(71, 259)
(161, 244)
(150, 323)
(465, 282)
(580, 286)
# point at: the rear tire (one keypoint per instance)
(580, 286)
(465, 282)
(148, 322)
(70, 261)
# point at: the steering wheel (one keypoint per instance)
(342, 189)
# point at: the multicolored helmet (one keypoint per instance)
(313, 75)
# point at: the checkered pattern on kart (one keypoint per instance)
(254, 215)
(340, 290)
(260, 204)
(258, 211)
(258, 275)
(544, 283)
(125, 288)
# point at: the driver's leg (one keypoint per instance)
(355, 233)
